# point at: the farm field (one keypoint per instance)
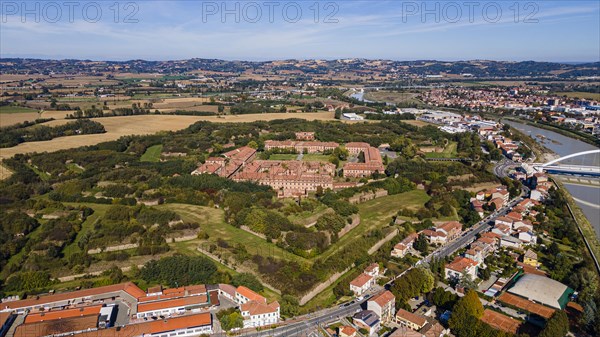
(579, 94)
(117, 127)
(15, 109)
(391, 96)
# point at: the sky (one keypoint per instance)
(557, 31)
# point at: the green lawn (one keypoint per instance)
(448, 152)
(315, 157)
(212, 222)
(306, 218)
(152, 154)
(75, 168)
(11, 109)
(43, 175)
(283, 156)
(87, 226)
(377, 213)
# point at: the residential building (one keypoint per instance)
(503, 220)
(258, 313)
(410, 320)
(244, 295)
(526, 236)
(502, 230)
(361, 284)
(530, 258)
(384, 305)
(459, 267)
(510, 242)
(476, 253)
(367, 320)
(401, 248)
(255, 309)
(372, 270)
(443, 233)
(346, 331)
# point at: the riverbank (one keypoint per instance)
(585, 227)
(542, 154)
(584, 137)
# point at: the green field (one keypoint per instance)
(15, 109)
(315, 157)
(580, 94)
(283, 156)
(86, 226)
(152, 154)
(448, 152)
(377, 213)
(305, 157)
(75, 168)
(213, 223)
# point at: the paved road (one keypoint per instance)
(503, 166)
(305, 325)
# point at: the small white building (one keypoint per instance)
(361, 284)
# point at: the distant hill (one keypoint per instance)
(476, 68)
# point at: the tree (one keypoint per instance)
(465, 309)
(247, 280)
(230, 319)
(421, 244)
(557, 325)
(341, 153)
(253, 144)
(485, 274)
(179, 270)
(289, 305)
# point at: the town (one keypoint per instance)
(496, 257)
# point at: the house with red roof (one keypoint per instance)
(361, 284)
(257, 313)
(384, 305)
(255, 309)
(459, 267)
(443, 233)
(346, 331)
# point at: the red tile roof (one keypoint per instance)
(259, 308)
(62, 314)
(128, 287)
(173, 303)
(180, 323)
(361, 280)
(250, 295)
(383, 298)
(460, 264)
(409, 316)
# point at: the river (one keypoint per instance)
(586, 197)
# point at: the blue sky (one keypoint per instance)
(562, 31)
